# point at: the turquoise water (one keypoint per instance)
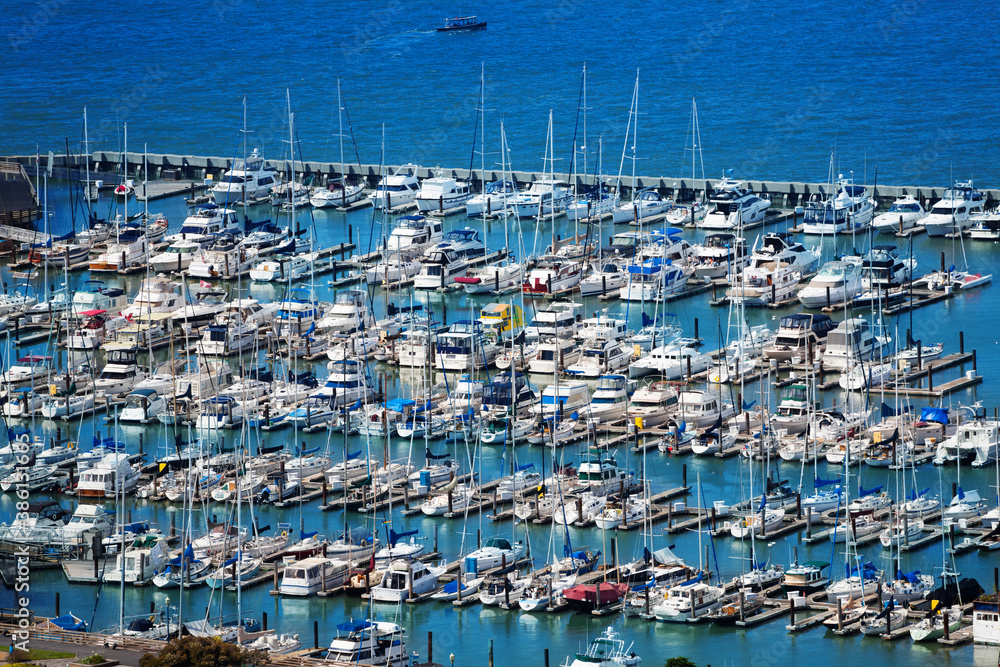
(898, 85)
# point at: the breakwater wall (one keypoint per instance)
(177, 167)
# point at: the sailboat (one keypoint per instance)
(338, 192)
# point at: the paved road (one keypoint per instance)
(125, 657)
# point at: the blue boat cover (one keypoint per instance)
(937, 415)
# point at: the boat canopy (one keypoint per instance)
(938, 415)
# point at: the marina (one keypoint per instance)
(383, 351)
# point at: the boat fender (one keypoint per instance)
(284, 533)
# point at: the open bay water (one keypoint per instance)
(902, 85)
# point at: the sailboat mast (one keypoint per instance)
(86, 150)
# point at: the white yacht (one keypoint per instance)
(120, 374)
(464, 347)
(703, 408)
(687, 602)
(719, 255)
(347, 383)
(853, 341)
(610, 399)
(404, 578)
(309, 576)
(177, 257)
(336, 193)
(670, 361)
(493, 201)
(396, 189)
(766, 283)
(653, 280)
(904, 214)
(96, 296)
(156, 295)
(130, 249)
(645, 204)
(564, 398)
(465, 242)
(248, 180)
(652, 405)
(441, 194)
(851, 209)
(600, 357)
(114, 474)
(543, 197)
(554, 355)
(552, 274)
(733, 206)
(837, 282)
(780, 247)
(953, 212)
(366, 642)
(205, 224)
(441, 266)
(797, 333)
(412, 234)
(348, 314)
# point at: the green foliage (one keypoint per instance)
(94, 659)
(679, 661)
(202, 652)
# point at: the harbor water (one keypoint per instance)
(778, 87)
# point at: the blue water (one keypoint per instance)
(903, 86)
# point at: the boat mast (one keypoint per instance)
(340, 136)
(118, 228)
(86, 148)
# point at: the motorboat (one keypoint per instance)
(654, 279)
(440, 268)
(465, 347)
(465, 242)
(542, 198)
(552, 274)
(492, 201)
(765, 284)
(337, 193)
(563, 399)
(607, 278)
(309, 576)
(652, 405)
(142, 406)
(95, 295)
(495, 552)
(554, 355)
(558, 318)
(734, 207)
(645, 204)
(207, 222)
(850, 209)
(156, 295)
(601, 474)
(853, 342)
(247, 181)
(720, 255)
(120, 374)
(689, 601)
(176, 257)
(780, 247)
(441, 193)
(597, 360)
(130, 249)
(798, 334)
(405, 578)
(114, 474)
(366, 642)
(903, 215)
(954, 212)
(396, 189)
(671, 361)
(412, 234)
(837, 282)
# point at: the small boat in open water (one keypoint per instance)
(462, 23)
